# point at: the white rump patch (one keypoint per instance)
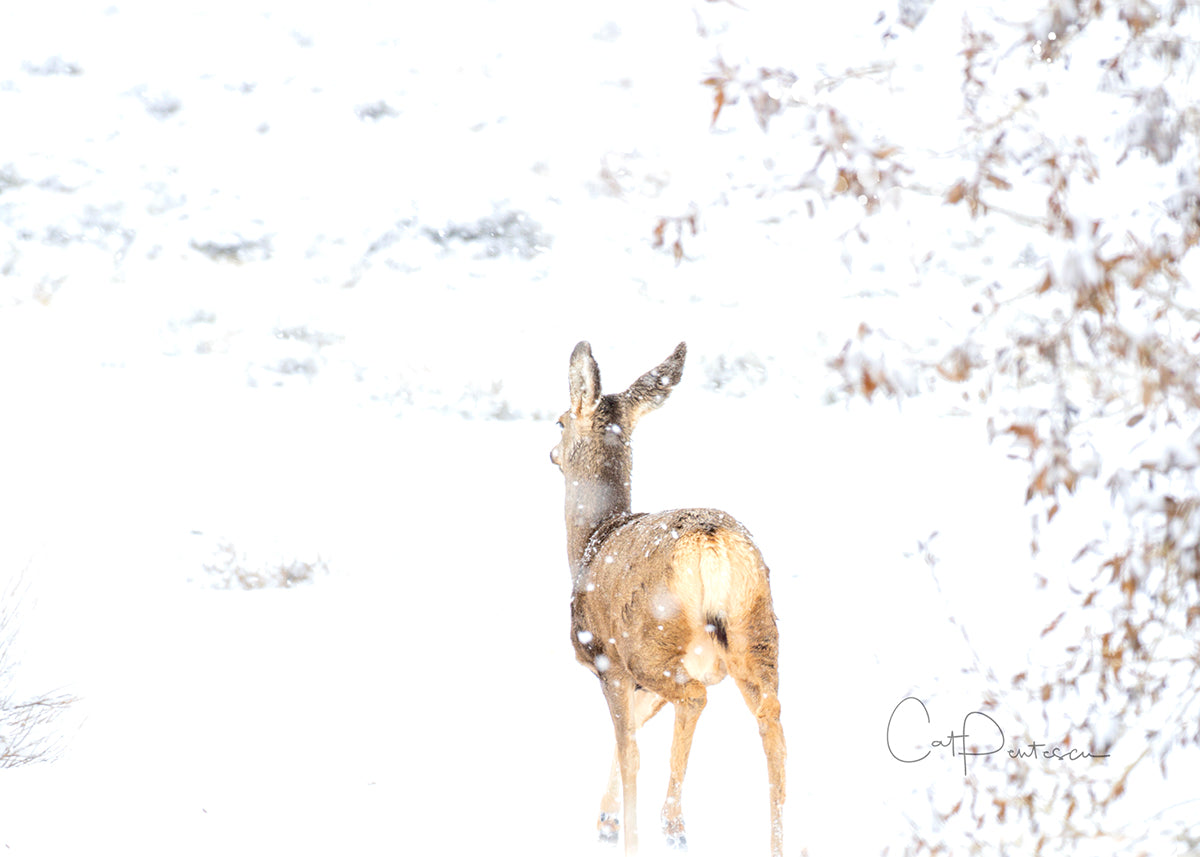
(702, 661)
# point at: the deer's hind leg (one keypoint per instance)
(645, 705)
(755, 669)
(687, 713)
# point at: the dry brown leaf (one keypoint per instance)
(1053, 624)
(998, 181)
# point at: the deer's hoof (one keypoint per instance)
(674, 834)
(608, 828)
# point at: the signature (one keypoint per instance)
(989, 739)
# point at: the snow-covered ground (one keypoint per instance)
(295, 286)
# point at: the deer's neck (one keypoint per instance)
(593, 499)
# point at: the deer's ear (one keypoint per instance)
(651, 390)
(584, 376)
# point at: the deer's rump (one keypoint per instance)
(671, 597)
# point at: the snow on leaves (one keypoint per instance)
(869, 363)
(1079, 350)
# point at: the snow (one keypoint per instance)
(289, 284)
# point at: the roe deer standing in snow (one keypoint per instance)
(664, 604)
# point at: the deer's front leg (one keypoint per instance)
(609, 825)
(643, 705)
(618, 691)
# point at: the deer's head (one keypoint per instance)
(596, 430)
(594, 452)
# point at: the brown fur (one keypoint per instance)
(663, 604)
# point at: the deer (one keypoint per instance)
(663, 605)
